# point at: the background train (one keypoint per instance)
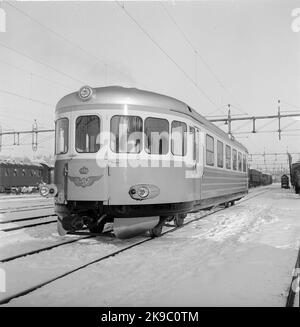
(257, 178)
(295, 176)
(20, 177)
(285, 181)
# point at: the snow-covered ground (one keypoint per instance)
(242, 256)
(13, 203)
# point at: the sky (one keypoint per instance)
(206, 53)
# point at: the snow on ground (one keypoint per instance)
(241, 256)
(23, 202)
(19, 215)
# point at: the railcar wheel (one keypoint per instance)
(232, 203)
(156, 231)
(226, 204)
(179, 220)
(97, 228)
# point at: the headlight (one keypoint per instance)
(143, 192)
(48, 190)
(85, 93)
(44, 190)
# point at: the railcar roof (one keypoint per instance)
(296, 164)
(133, 96)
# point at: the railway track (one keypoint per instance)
(27, 208)
(24, 219)
(30, 219)
(10, 229)
(104, 257)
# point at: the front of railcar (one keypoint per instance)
(103, 168)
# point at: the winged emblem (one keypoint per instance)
(84, 181)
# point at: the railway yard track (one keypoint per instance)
(27, 208)
(14, 228)
(107, 236)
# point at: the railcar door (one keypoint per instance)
(87, 171)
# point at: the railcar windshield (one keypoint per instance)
(156, 136)
(126, 134)
(87, 138)
(61, 136)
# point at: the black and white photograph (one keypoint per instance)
(149, 156)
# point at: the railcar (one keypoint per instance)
(255, 178)
(266, 179)
(17, 176)
(295, 176)
(285, 181)
(137, 159)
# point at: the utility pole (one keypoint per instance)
(279, 129)
(229, 119)
(34, 132)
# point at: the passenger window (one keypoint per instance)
(61, 135)
(228, 157)
(87, 139)
(244, 163)
(194, 145)
(179, 142)
(156, 136)
(220, 154)
(210, 160)
(126, 134)
(234, 159)
(240, 161)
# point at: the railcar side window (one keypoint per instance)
(244, 163)
(61, 136)
(87, 138)
(179, 141)
(240, 161)
(194, 146)
(228, 157)
(234, 159)
(210, 160)
(220, 154)
(126, 134)
(156, 136)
